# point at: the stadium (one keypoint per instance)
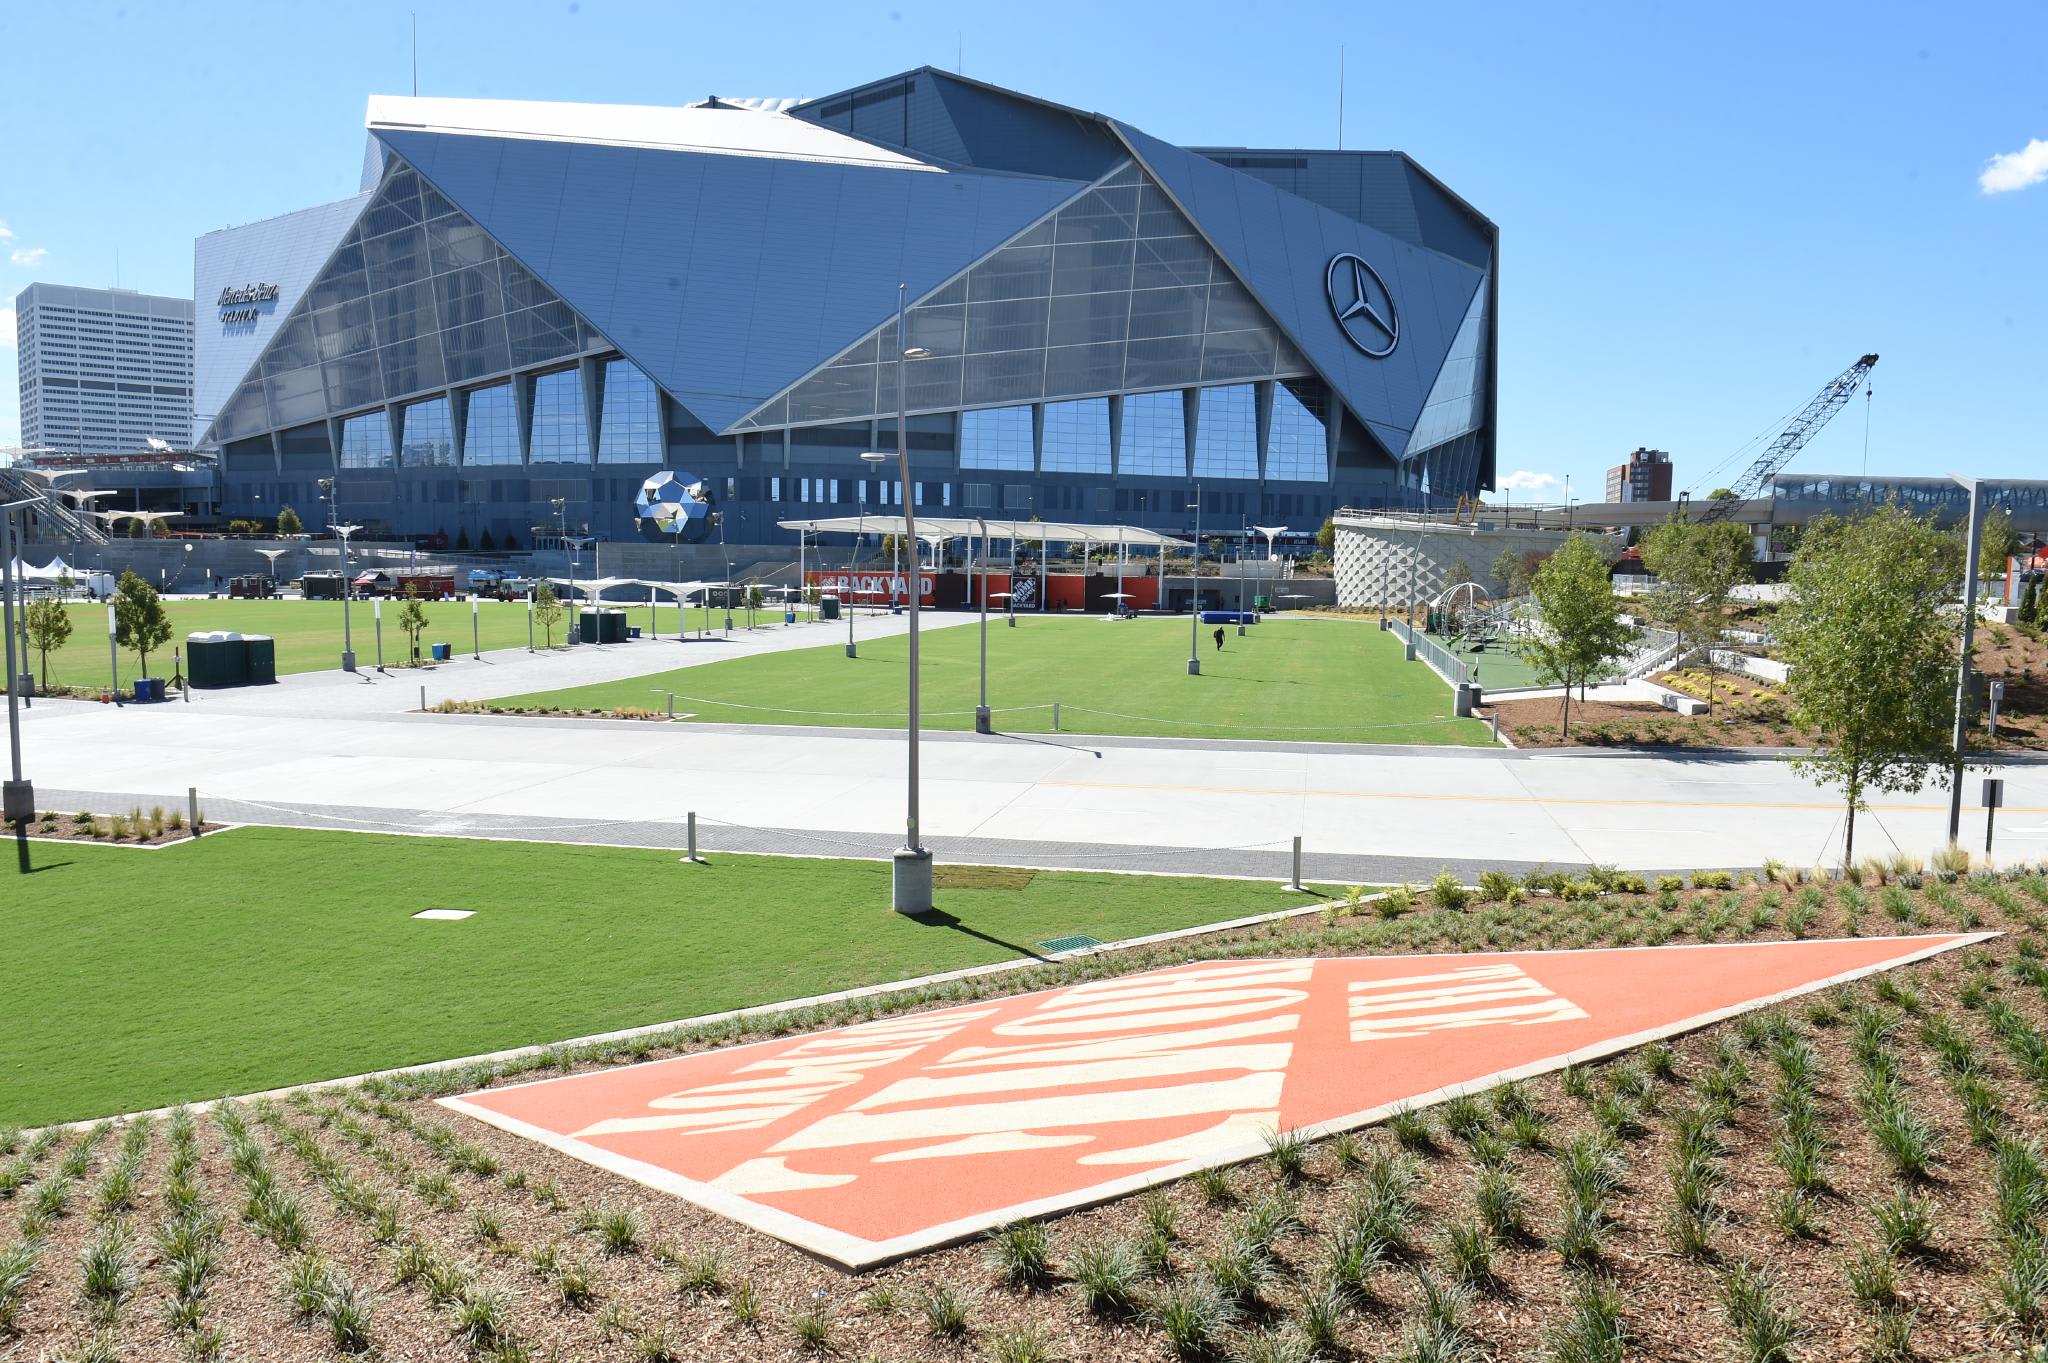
(532, 312)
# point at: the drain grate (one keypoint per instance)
(1074, 943)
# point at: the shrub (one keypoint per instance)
(1022, 1253)
(1446, 891)
(1108, 1277)
(1193, 1316)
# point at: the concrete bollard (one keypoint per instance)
(1494, 719)
(423, 700)
(693, 836)
(1295, 883)
(1055, 716)
(192, 808)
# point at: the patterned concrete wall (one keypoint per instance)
(1407, 563)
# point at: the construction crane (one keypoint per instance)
(1816, 414)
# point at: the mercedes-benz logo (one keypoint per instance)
(1362, 304)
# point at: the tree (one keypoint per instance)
(1872, 652)
(1997, 542)
(2030, 602)
(48, 625)
(288, 522)
(1698, 567)
(462, 539)
(511, 541)
(484, 544)
(1507, 570)
(1458, 574)
(547, 608)
(1326, 538)
(412, 618)
(1581, 630)
(140, 620)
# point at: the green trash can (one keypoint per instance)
(259, 653)
(828, 608)
(1264, 603)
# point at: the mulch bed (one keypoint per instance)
(137, 828)
(503, 1207)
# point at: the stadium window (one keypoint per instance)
(1154, 436)
(996, 438)
(629, 431)
(1298, 445)
(1227, 433)
(560, 435)
(1077, 436)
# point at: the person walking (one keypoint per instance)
(1219, 638)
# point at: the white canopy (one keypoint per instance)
(939, 529)
(594, 588)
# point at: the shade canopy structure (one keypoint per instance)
(111, 516)
(593, 589)
(939, 529)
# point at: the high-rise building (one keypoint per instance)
(103, 371)
(1646, 477)
(539, 305)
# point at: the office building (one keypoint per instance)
(103, 371)
(1646, 477)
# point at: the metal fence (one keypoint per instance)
(1446, 663)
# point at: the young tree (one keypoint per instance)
(2030, 602)
(49, 626)
(1507, 570)
(1581, 630)
(288, 522)
(1458, 574)
(140, 620)
(484, 545)
(1326, 538)
(1698, 567)
(462, 539)
(547, 608)
(412, 618)
(1997, 543)
(1871, 651)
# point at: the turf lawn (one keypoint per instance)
(308, 633)
(263, 957)
(1340, 680)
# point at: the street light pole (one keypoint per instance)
(981, 715)
(1195, 594)
(911, 868)
(19, 803)
(348, 644)
(1961, 736)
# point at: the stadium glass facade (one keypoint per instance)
(533, 302)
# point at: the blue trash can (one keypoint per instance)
(632, 631)
(442, 652)
(788, 616)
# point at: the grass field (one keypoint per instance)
(308, 633)
(262, 957)
(1337, 680)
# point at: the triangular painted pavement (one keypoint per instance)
(871, 1142)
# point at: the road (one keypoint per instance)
(326, 749)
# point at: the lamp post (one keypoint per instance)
(19, 804)
(981, 715)
(476, 648)
(377, 623)
(910, 881)
(1961, 736)
(348, 644)
(1195, 594)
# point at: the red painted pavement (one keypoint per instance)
(869, 1142)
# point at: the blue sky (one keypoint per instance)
(1706, 211)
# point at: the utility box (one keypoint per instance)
(216, 659)
(828, 608)
(601, 626)
(259, 655)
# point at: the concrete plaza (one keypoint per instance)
(327, 749)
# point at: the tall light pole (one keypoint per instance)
(348, 643)
(981, 714)
(1195, 595)
(1976, 545)
(19, 804)
(910, 881)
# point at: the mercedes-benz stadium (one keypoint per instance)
(571, 316)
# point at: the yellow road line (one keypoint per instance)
(1519, 800)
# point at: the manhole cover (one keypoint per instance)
(1074, 943)
(444, 915)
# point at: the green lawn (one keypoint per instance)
(308, 633)
(264, 957)
(1339, 680)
